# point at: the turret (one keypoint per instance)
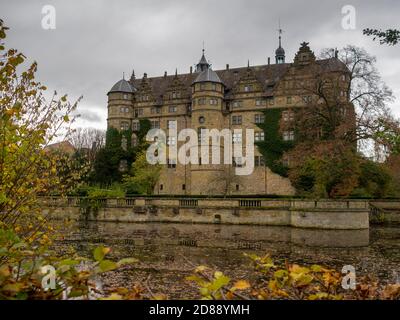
(120, 105)
(207, 105)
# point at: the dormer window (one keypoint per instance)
(176, 95)
(248, 88)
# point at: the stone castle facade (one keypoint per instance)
(232, 98)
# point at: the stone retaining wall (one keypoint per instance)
(321, 214)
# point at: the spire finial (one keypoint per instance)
(248, 63)
(280, 33)
(133, 75)
(280, 52)
(203, 48)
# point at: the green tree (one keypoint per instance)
(144, 176)
(118, 148)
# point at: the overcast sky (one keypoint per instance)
(96, 41)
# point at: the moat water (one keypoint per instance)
(167, 253)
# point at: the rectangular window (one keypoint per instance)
(259, 118)
(236, 119)
(259, 136)
(124, 125)
(201, 137)
(259, 161)
(214, 87)
(175, 95)
(171, 124)
(237, 162)
(161, 186)
(155, 124)
(155, 110)
(201, 101)
(248, 88)
(237, 138)
(288, 135)
(136, 126)
(171, 163)
(288, 116)
(213, 101)
(172, 109)
(237, 104)
(202, 86)
(184, 187)
(171, 141)
(260, 102)
(289, 100)
(271, 101)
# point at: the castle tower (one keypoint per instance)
(280, 52)
(120, 105)
(207, 105)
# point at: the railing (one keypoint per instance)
(126, 202)
(250, 203)
(230, 202)
(188, 203)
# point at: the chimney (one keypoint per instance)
(191, 69)
(165, 74)
(269, 60)
(227, 66)
(145, 75)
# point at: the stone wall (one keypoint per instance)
(323, 214)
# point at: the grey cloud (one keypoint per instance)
(96, 41)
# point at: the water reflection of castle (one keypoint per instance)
(221, 236)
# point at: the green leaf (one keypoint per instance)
(126, 261)
(107, 265)
(100, 252)
(69, 262)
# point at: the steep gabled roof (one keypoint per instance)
(267, 75)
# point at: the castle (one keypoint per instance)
(230, 98)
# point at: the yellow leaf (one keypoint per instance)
(241, 285)
(200, 269)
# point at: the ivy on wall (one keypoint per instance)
(118, 147)
(273, 147)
